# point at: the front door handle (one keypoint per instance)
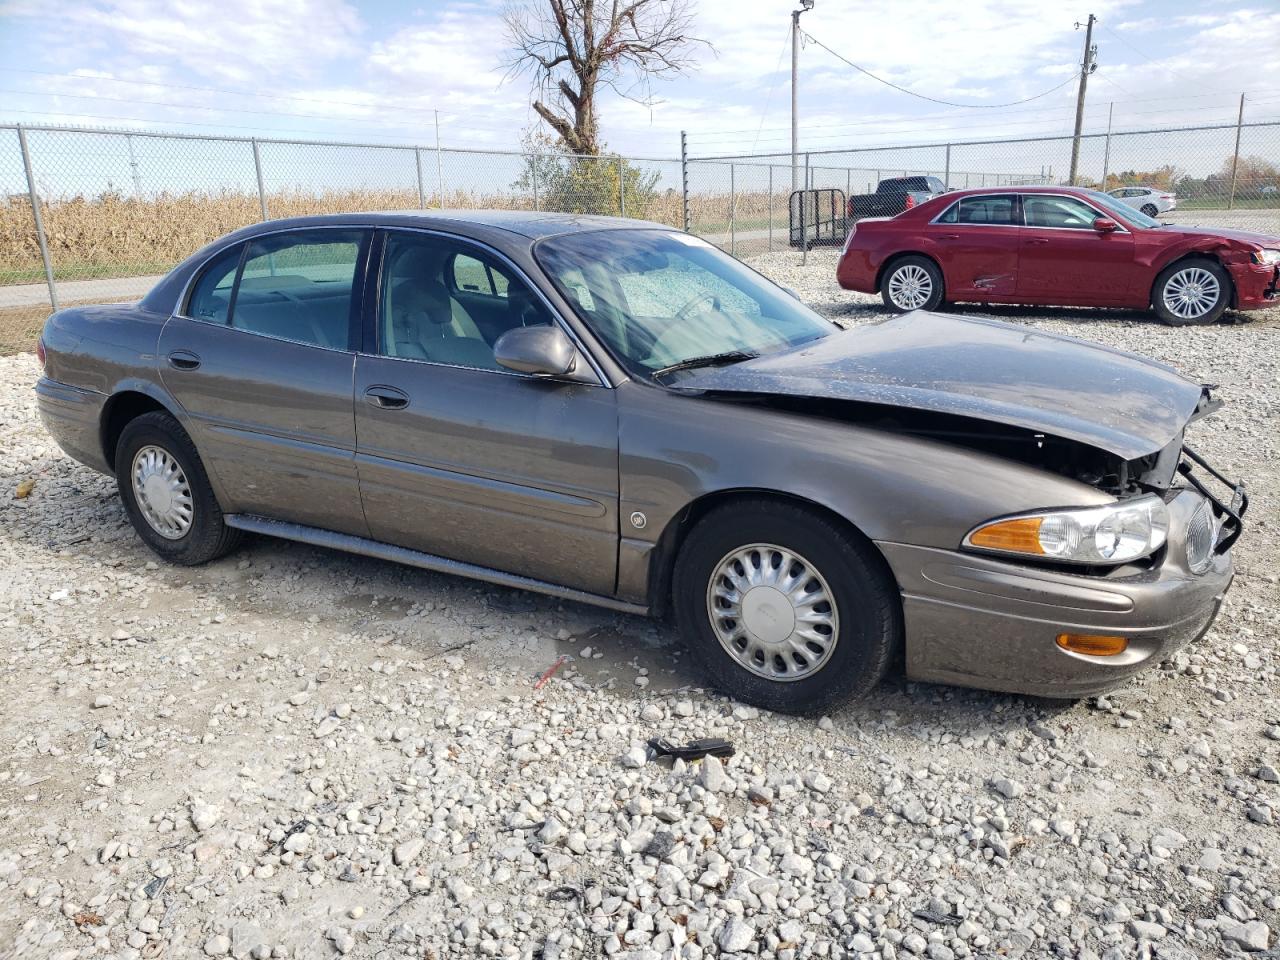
(1037, 240)
(184, 360)
(388, 398)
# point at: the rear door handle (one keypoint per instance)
(388, 398)
(950, 236)
(184, 360)
(1037, 240)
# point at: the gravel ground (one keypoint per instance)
(295, 753)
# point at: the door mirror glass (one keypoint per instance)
(1105, 225)
(544, 351)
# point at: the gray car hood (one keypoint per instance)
(984, 369)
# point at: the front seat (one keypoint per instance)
(424, 321)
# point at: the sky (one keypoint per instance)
(377, 71)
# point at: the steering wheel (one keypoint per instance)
(697, 300)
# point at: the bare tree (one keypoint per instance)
(571, 47)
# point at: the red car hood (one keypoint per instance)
(1243, 236)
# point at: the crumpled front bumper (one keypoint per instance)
(982, 621)
(1257, 285)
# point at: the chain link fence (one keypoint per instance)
(97, 215)
(117, 209)
(1226, 175)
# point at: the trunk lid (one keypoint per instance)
(984, 369)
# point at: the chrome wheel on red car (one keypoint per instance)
(1190, 291)
(912, 283)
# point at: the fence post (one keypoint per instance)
(804, 232)
(533, 176)
(35, 213)
(769, 207)
(1106, 150)
(684, 178)
(733, 210)
(946, 173)
(622, 187)
(439, 163)
(1235, 157)
(257, 169)
(417, 162)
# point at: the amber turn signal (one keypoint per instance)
(1094, 645)
(1021, 535)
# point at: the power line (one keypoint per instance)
(213, 127)
(213, 109)
(320, 101)
(768, 101)
(921, 96)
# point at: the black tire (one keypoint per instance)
(910, 262)
(1150, 209)
(858, 579)
(1173, 270)
(207, 537)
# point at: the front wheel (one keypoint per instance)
(783, 608)
(1150, 209)
(166, 492)
(1192, 291)
(912, 283)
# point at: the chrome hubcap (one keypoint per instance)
(1191, 293)
(773, 612)
(910, 287)
(162, 492)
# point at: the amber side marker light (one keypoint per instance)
(1094, 645)
(1021, 535)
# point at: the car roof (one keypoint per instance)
(1037, 188)
(527, 223)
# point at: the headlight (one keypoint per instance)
(1269, 257)
(1115, 533)
(1200, 538)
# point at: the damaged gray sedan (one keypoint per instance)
(617, 413)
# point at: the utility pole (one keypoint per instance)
(805, 6)
(1087, 66)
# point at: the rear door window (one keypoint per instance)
(299, 286)
(996, 210)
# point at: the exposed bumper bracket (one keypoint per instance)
(1230, 513)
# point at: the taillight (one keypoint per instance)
(40, 351)
(1166, 196)
(911, 201)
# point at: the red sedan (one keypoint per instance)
(1062, 246)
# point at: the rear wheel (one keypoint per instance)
(783, 608)
(1150, 209)
(166, 492)
(912, 283)
(1192, 291)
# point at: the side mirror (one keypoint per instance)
(1105, 225)
(543, 350)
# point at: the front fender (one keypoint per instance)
(892, 487)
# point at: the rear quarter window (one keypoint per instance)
(210, 298)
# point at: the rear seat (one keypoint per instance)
(306, 315)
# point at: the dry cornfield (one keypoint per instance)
(113, 236)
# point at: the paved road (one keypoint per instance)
(76, 291)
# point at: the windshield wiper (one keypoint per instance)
(711, 360)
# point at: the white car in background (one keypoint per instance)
(1149, 200)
